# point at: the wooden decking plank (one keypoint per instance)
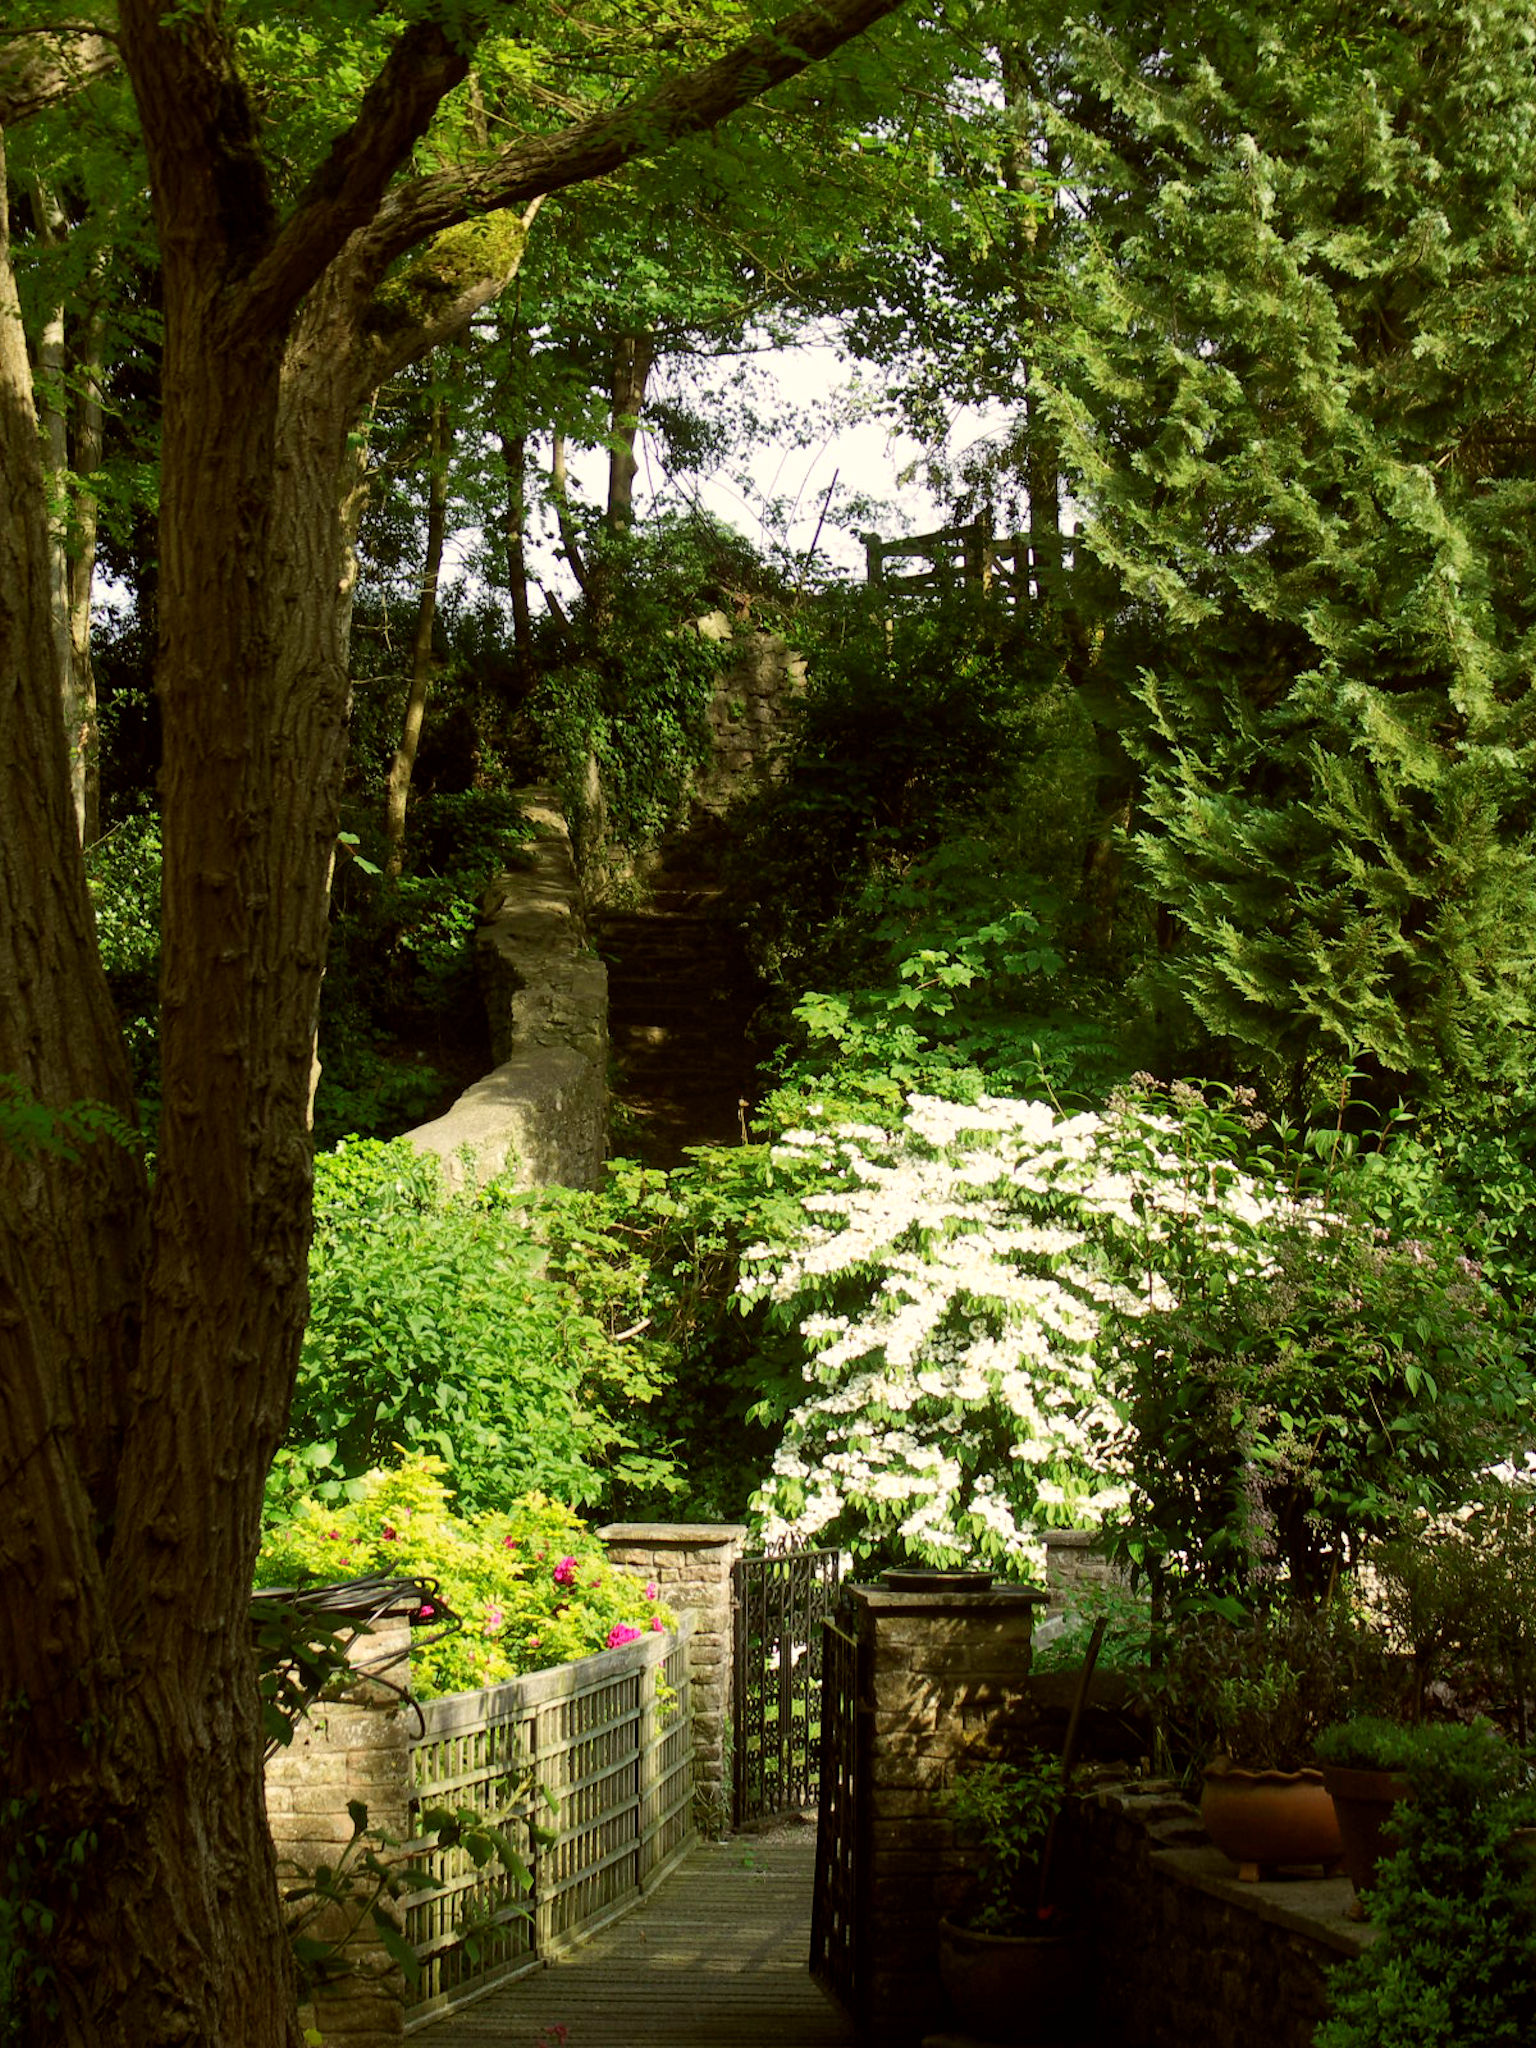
(715, 1957)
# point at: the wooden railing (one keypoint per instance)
(970, 556)
(599, 1753)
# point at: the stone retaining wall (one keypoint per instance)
(1188, 1957)
(691, 1565)
(749, 712)
(353, 1748)
(541, 1115)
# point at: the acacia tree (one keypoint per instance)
(149, 1333)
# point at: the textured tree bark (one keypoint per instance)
(149, 1338)
(53, 420)
(89, 443)
(398, 787)
(633, 358)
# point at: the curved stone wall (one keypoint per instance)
(541, 1114)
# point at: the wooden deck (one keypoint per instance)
(714, 1958)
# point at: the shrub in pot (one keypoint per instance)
(1364, 1763)
(1454, 1964)
(1245, 1701)
(1014, 1965)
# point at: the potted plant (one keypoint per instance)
(1245, 1701)
(1014, 1966)
(1365, 1761)
(1456, 1913)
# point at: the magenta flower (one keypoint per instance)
(426, 1611)
(565, 1572)
(653, 1591)
(390, 1535)
(493, 1620)
(621, 1633)
(333, 1536)
(658, 1626)
(509, 1543)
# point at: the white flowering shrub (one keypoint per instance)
(948, 1290)
(1009, 1320)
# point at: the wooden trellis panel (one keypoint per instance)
(836, 1914)
(599, 1752)
(779, 1604)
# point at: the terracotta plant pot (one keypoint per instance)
(1016, 1988)
(1364, 1802)
(1267, 1821)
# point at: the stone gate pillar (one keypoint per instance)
(691, 1565)
(355, 1746)
(940, 1683)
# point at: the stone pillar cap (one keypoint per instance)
(672, 1532)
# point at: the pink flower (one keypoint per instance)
(652, 1591)
(621, 1633)
(333, 1536)
(657, 1624)
(565, 1572)
(390, 1535)
(534, 1641)
(509, 1543)
(493, 1620)
(426, 1611)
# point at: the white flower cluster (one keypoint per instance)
(948, 1287)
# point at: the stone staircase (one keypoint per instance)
(681, 998)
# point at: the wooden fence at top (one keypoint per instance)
(599, 1752)
(954, 557)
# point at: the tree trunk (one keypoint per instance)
(514, 456)
(53, 419)
(89, 443)
(633, 357)
(512, 409)
(398, 788)
(149, 1340)
(560, 496)
(1030, 250)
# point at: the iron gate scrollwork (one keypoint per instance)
(837, 1909)
(779, 1605)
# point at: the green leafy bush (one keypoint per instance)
(632, 691)
(912, 728)
(1296, 1380)
(965, 990)
(437, 1325)
(123, 872)
(530, 1585)
(1454, 1964)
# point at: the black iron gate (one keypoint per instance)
(841, 1862)
(779, 1604)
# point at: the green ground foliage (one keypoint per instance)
(442, 1323)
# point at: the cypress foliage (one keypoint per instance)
(1296, 399)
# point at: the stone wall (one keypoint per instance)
(542, 1114)
(1074, 1565)
(1186, 1956)
(691, 1565)
(942, 1679)
(353, 1748)
(749, 711)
